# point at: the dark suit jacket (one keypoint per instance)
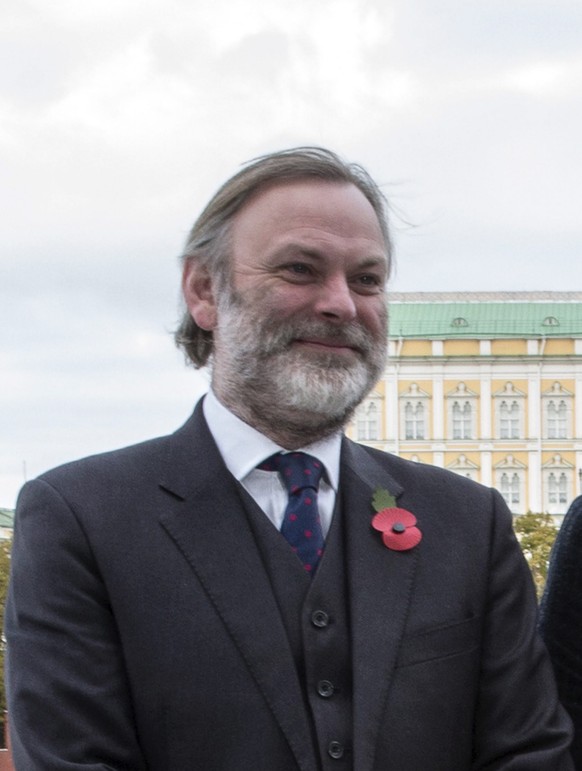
(561, 618)
(143, 632)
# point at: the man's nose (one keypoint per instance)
(335, 300)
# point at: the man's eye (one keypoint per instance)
(369, 280)
(298, 268)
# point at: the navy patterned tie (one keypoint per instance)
(301, 526)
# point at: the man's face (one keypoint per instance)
(301, 336)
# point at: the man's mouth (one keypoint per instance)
(322, 345)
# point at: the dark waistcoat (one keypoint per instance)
(315, 615)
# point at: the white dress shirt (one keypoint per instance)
(243, 447)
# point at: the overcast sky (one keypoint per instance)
(119, 119)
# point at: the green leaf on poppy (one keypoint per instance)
(383, 500)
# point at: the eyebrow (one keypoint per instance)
(295, 249)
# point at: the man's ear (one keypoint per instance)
(198, 289)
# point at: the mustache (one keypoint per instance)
(280, 334)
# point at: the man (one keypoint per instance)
(226, 598)
(561, 619)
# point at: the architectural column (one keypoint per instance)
(535, 502)
(438, 459)
(534, 407)
(485, 404)
(534, 434)
(487, 468)
(578, 409)
(391, 408)
(438, 408)
(578, 427)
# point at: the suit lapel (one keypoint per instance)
(207, 522)
(381, 582)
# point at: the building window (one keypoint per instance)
(464, 467)
(373, 432)
(368, 422)
(509, 487)
(462, 409)
(558, 479)
(557, 419)
(414, 413)
(462, 420)
(557, 412)
(557, 488)
(510, 481)
(509, 412)
(509, 420)
(414, 420)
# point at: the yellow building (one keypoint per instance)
(488, 385)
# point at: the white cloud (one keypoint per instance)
(554, 79)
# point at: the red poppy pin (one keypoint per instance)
(398, 526)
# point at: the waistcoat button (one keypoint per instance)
(320, 619)
(335, 750)
(325, 688)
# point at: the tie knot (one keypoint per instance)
(298, 470)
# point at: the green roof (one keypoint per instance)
(482, 319)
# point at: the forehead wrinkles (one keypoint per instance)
(323, 248)
(364, 252)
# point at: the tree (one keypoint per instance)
(536, 534)
(4, 575)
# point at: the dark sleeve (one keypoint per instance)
(561, 618)
(521, 725)
(68, 697)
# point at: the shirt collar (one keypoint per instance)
(243, 447)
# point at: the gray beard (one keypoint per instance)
(281, 390)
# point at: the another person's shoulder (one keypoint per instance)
(572, 525)
(565, 570)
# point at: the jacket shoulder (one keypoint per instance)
(108, 464)
(134, 469)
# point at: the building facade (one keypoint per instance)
(6, 524)
(488, 385)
